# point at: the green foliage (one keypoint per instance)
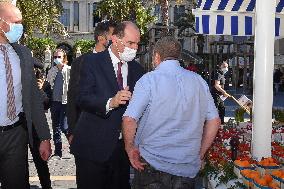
(41, 15)
(278, 114)
(119, 11)
(85, 45)
(239, 115)
(223, 174)
(208, 171)
(38, 46)
(228, 173)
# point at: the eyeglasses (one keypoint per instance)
(57, 57)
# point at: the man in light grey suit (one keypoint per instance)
(20, 102)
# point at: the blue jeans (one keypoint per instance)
(58, 113)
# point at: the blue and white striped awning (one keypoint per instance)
(232, 17)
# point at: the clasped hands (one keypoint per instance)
(120, 98)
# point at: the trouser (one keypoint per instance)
(277, 86)
(58, 113)
(41, 165)
(219, 103)
(112, 174)
(150, 178)
(13, 158)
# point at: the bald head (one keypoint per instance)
(8, 14)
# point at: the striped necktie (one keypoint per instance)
(11, 107)
(119, 76)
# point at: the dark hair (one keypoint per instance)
(168, 47)
(101, 29)
(112, 24)
(120, 28)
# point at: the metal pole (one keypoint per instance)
(263, 78)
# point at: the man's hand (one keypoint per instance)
(40, 83)
(70, 139)
(120, 98)
(45, 150)
(134, 158)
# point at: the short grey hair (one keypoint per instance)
(168, 47)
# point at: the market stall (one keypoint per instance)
(264, 20)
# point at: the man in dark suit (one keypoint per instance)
(103, 33)
(20, 102)
(107, 80)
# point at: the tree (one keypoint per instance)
(42, 15)
(165, 12)
(126, 10)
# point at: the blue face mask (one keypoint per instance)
(57, 61)
(15, 33)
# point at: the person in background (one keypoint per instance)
(218, 90)
(20, 103)
(103, 33)
(58, 78)
(277, 79)
(41, 165)
(106, 83)
(173, 119)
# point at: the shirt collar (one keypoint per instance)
(114, 59)
(168, 64)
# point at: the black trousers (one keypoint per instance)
(112, 174)
(41, 165)
(219, 103)
(13, 158)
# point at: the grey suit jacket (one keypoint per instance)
(32, 101)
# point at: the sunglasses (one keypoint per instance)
(57, 56)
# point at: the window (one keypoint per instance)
(65, 17)
(179, 11)
(96, 19)
(76, 13)
(157, 12)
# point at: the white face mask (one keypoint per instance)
(128, 54)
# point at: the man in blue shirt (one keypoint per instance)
(176, 121)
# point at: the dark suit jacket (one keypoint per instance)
(73, 111)
(32, 101)
(96, 133)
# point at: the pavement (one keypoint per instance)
(63, 171)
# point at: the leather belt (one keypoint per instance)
(14, 125)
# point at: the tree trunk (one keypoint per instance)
(165, 12)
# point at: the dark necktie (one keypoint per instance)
(11, 107)
(119, 76)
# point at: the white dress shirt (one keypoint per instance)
(124, 72)
(16, 72)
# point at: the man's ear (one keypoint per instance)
(100, 38)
